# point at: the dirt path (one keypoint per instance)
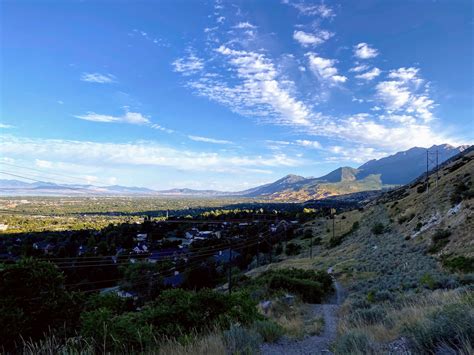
(317, 344)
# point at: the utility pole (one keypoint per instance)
(230, 270)
(271, 251)
(333, 213)
(427, 179)
(258, 249)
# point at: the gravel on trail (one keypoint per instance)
(317, 344)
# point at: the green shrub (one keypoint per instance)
(378, 228)
(404, 219)
(428, 281)
(439, 240)
(451, 325)
(310, 285)
(292, 249)
(242, 341)
(421, 188)
(268, 330)
(459, 263)
(418, 227)
(175, 312)
(353, 342)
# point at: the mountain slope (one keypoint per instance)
(397, 169)
(402, 167)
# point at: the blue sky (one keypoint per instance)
(228, 95)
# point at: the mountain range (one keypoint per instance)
(397, 169)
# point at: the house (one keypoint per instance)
(206, 234)
(120, 293)
(82, 250)
(191, 234)
(174, 281)
(280, 226)
(45, 247)
(224, 255)
(140, 248)
(141, 237)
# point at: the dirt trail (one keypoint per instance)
(317, 344)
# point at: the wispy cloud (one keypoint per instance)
(325, 69)
(6, 126)
(188, 65)
(209, 140)
(128, 117)
(311, 39)
(98, 78)
(258, 91)
(306, 9)
(142, 153)
(244, 25)
(364, 51)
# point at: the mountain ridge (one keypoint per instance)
(396, 169)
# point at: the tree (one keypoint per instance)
(33, 301)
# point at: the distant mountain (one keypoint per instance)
(397, 169)
(402, 167)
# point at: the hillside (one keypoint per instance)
(406, 261)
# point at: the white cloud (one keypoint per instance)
(244, 25)
(161, 128)
(369, 75)
(188, 65)
(142, 153)
(98, 78)
(128, 117)
(405, 94)
(311, 10)
(209, 140)
(324, 69)
(308, 39)
(359, 68)
(258, 91)
(354, 153)
(43, 163)
(364, 51)
(309, 143)
(6, 126)
(365, 129)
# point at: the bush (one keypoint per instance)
(378, 228)
(292, 249)
(242, 341)
(453, 325)
(354, 342)
(175, 312)
(311, 286)
(439, 240)
(459, 263)
(421, 188)
(268, 330)
(428, 281)
(371, 315)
